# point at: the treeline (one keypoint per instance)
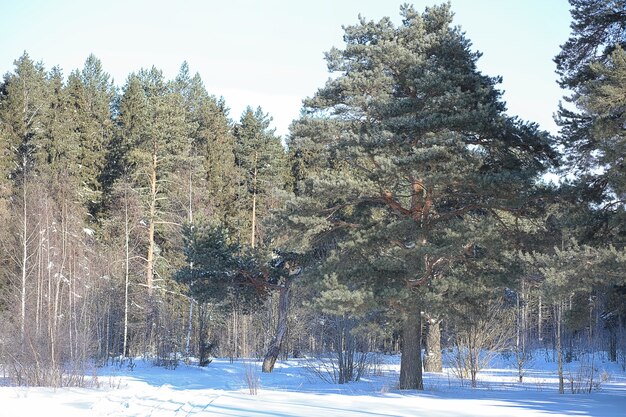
(97, 188)
(406, 211)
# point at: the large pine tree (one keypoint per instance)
(398, 154)
(592, 66)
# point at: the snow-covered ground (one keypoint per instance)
(294, 390)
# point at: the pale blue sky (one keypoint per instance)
(270, 52)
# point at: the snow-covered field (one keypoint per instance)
(294, 390)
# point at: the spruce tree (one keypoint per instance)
(57, 157)
(91, 96)
(24, 103)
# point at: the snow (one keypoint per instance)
(294, 390)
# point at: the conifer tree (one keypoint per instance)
(153, 136)
(211, 173)
(261, 158)
(91, 96)
(412, 144)
(591, 64)
(59, 158)
(24, 104)
(23, 108)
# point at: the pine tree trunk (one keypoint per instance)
(432, 354)
(540, 320)
(204, 341)
(253, 231)
(126, 272)
(411, 359)
(281, 329)
(151, 221)
(23, 265)
(612, 343)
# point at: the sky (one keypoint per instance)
(270, 53)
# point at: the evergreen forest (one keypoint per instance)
(405, 212)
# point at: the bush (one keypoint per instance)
(251, 377)
(477, 342)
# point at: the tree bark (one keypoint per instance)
(559, 349)
(253, 228)
(151, 222)
(281, 329)
(24, 262)
(612, 344)
(411, 359)
(126, 271)
(432, 351)
(540, 320)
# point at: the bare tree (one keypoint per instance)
(479, 340)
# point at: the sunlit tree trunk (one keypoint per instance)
(151, 222)
(432, 354)
(126, 272)
(254, 185)
(24, 262)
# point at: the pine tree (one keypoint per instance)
(414, 146)
(211, 172)
(153, 140)
(261, 159)
(591, 64)
(598, 26)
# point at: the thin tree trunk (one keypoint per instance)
(559, 350)
(432, 354)
(235, 333)
(190, 208)
(253, 232)
(126, 272)
(281, 329)
(411, 359)
(39, 298)
(151, 221)
(189, 327)
(252, 238)
(244, 336)
(24, 265)
(340, 345)
(49, 295)
(191, 300)
(540, 320)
